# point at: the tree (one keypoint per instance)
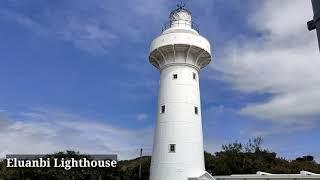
(234, 158)
(248, 158)
(305, 158)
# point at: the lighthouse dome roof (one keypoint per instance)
(181, 13)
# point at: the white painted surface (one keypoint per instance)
(181, 51)
(268, 176)
(178, 125)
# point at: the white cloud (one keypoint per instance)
(25, 21)
(142, 117)
(284, 62)
(93, 26)
(90, 37)
(44, 131)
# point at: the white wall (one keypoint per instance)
(178, 125)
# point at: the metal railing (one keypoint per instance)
(180, 23)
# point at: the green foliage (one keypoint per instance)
(59, 173)
(238, 158)
(234, 158)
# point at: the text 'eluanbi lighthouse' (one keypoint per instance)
(179, 53)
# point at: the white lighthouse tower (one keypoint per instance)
(179, 53)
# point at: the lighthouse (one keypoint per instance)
(179, 53)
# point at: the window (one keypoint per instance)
(194, 76)
(172, 148)
(175, 76)
(163, 109)
(196, 110)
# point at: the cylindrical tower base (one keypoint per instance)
(178, 143)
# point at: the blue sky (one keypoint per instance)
(75, 75)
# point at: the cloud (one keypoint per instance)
(142, 117)
(95, 26)
(91, 37)
(48, 131)
(282, 60)
(272, 132)
(289, 107)
(23, 20)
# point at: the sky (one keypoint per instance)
(75, 75)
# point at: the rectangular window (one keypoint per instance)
(175, 76)
(163, 109)
(172, 148)
(196, 110)
(194, 76)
